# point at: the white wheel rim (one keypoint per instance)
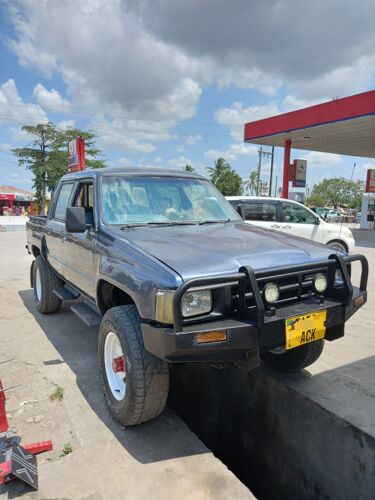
(116, 379)
(38, 285)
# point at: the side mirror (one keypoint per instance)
(75, 220)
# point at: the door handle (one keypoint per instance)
(275, 226)
(287, 226)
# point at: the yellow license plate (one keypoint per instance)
(303, 329)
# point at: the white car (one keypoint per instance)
(294, 218)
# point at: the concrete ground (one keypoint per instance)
(161, 459)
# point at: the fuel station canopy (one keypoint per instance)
(343, 126)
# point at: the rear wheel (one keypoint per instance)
(45, 281)
(296, 359)
(135, 382)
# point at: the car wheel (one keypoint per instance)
(135, 382)
(45, 281)
(295, 359)
(337, 245)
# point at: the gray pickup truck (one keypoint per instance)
(166, 267)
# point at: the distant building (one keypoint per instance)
(16, 201)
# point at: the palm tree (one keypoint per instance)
(252, 183)
(221, 166)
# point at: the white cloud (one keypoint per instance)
(236, 115)
(192, 139)
(317, 159)
(14, 109)
(234, 150)
(180, 148)
(66, 124)
(181, 162)
(367, 166)
(123, 161)
(51, 99)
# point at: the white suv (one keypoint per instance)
(294, 218)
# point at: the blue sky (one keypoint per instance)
(165, 83)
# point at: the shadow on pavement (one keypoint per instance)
(161, 439)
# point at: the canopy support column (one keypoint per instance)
(287, 148)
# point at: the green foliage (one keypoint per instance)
(337, 191)
(189, 168)
(228, 182)
(68, 448)
(57, 394)
(47, 156)
(252, 182)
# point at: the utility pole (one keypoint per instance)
(275, 186)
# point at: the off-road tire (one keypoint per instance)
(296, 359)
(147, 377)
(48, 302)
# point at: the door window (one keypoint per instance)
(84, 198)
(62, 201)
(296, 214)
(263, 211)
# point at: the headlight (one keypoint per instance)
(320, 283)
(271, 293)
(196, 303)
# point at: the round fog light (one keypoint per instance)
(320, 283)
(271, 293)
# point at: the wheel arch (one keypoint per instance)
(342, 242)
(110, 295)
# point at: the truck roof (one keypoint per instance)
(164, 172)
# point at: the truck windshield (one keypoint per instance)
(160, 200)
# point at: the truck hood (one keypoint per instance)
(215, 249)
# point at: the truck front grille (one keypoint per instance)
(293, 287)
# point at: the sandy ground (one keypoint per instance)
(158, 460)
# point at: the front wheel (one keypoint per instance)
(296, 359)
(134, 381)
(337, 245)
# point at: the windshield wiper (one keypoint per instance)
(220, 221)
(160, 223)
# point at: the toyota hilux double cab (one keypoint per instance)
(169, 272)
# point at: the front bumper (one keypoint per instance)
(248, 333)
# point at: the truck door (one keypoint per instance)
(79, 247)
(55, 226)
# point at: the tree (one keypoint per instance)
(225, 179)
(252, 182)
(189, 168)
(59, 156)
(37, 157)
(338, 191)
(47, 156)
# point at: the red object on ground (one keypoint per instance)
(118, 364)
(4, 425)
(39, 447)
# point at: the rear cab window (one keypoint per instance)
(260, 211)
